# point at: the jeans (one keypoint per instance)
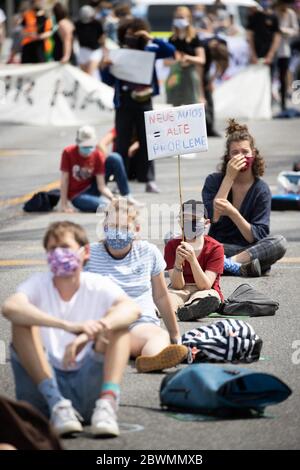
(91, 199)
(82, 386)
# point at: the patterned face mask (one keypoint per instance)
(117, 238)
(63, 262)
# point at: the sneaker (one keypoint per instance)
(151, 187)
(133, 201)
(199, 308)
(252, 269)
(65, 419)
(169, 357)
(104, 419)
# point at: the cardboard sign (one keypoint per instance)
(176, 131)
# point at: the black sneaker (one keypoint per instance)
(252, 269)
(198, 309)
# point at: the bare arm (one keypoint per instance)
(224, 207)
(105, 142)
(66, 32)
(250, 38)
(163, 302)
(64, 185)
(273, 49)
(103, 189)
(203, 280)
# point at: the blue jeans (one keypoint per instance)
(91, 199)
(82, 386)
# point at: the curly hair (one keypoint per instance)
(236, 132)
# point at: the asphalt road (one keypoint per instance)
(29, 159)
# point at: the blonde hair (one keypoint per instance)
(190, 32)
(121, 206)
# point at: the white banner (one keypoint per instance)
(176, 131)
(132, 66)
(247, 95)
(52, 94)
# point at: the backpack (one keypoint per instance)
(23, 427)
(42, 201)
(224, 340)
(248, 301)
(214, 389)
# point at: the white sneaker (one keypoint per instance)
(65, 419)
(132, 200)
(104, 419)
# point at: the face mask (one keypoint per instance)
(105, 12)
(249, 163)
(198, 15)
(193, 228)
(180, 23)
(63, 262)
(86, 151)
(117, 238)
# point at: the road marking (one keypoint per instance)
(40, 262)
(21, 262)
(21, 199)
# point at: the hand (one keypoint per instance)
(254, 59)
(224, 207)
(106, 60)
(268, 60)
(235, 165)
(91, 328)
(176, 339)
(179, 259)
(187, 252)
(64, 60)
(144, 34)
(67, 209)
(70, 354)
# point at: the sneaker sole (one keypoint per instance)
(105, 431)
(169, 357)
(254, 271)
(199, 309)
(69, 428)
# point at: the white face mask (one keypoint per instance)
(180, 23)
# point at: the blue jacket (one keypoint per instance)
(255, 208)
(162, 50)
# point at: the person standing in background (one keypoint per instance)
(2, 29)
(63, 36)
(289, 28)
(37, 28)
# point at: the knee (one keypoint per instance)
(114, 159)
(281, 244)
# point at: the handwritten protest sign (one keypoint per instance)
(176, 131)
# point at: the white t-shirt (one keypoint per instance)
(132, 273)
(94, 297)
(2, 16)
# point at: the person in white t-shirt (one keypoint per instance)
(46, 312)
(137, 266)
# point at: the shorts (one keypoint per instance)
(89, 55)
(81, 386)
(145, 319)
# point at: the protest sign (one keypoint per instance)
(52, 94)
(132, 65)
(176, 131)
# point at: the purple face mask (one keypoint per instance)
(63, 262)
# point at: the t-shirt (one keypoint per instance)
(211, 258)
(264, 26)
(182, 45)
(2, 16)
(255, 208)
(82, 170)
(132, 273)
(94, 297)
(89, 33)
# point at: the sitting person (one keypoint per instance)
(85, 169)
(195, 266)
(137, 266)
(238, 203)
(46, 312)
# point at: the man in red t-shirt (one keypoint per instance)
(195, 266)
(83, 174)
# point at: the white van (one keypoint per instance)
(159, 13)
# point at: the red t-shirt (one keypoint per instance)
(81, 169)
(211, 258)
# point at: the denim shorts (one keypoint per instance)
(81, 386)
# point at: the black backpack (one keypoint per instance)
(248, 301)
(42, 201)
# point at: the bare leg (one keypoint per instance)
(116, 355)
(28, 345)
(148, 339)
(242, 257)
(7, 447)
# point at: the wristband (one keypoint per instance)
(178, 269)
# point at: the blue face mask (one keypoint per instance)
(86, 151)
(117, 238)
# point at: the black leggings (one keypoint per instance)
(283, 67)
